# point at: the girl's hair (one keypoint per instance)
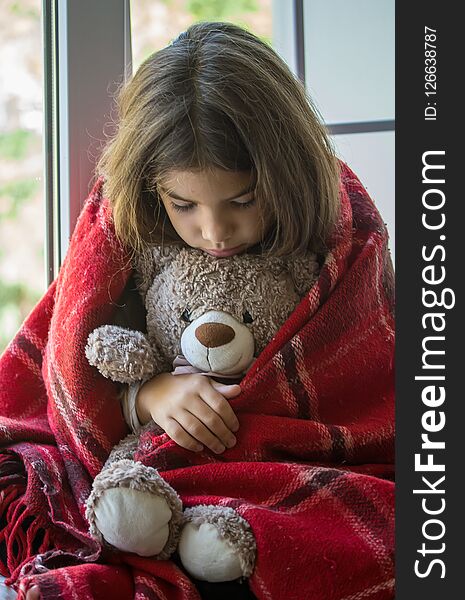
(219, 97)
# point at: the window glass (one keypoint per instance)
(349, 58)
(22, 212)
(154, 23)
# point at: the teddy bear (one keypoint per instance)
(207, 315)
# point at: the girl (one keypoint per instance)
(219, 148)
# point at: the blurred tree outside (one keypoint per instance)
(22, 211)
(156, 22)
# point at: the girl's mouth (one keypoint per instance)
(223, 253)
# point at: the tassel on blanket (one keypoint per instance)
(23, 534)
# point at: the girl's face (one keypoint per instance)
(212, 210)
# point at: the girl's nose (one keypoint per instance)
(216, 231)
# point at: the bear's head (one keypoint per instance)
(219, 313)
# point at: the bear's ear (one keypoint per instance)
(304, 272)
(148, 264)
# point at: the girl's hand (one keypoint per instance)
(191, 408)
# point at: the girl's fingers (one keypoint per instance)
(198, 431)
(178, 434)
(206, 415)
(210, 394)
(229, 389)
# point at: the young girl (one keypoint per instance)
(218, 147)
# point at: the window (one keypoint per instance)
(22, 214)
(349, 72)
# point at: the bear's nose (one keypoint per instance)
(212, 335)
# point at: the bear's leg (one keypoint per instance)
(216, 544)
(134, 509)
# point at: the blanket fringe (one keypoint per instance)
(22, 533)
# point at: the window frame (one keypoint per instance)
(87, 54)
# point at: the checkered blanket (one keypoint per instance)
(312, 470)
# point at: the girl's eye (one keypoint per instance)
(245, 204)
(185, 316)
(182, 208)
(187, 207)
(247, 317)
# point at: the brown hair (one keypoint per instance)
(219, 97)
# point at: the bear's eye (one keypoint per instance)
(185, 316)
(247, 317)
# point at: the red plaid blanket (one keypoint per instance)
(312, 469)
